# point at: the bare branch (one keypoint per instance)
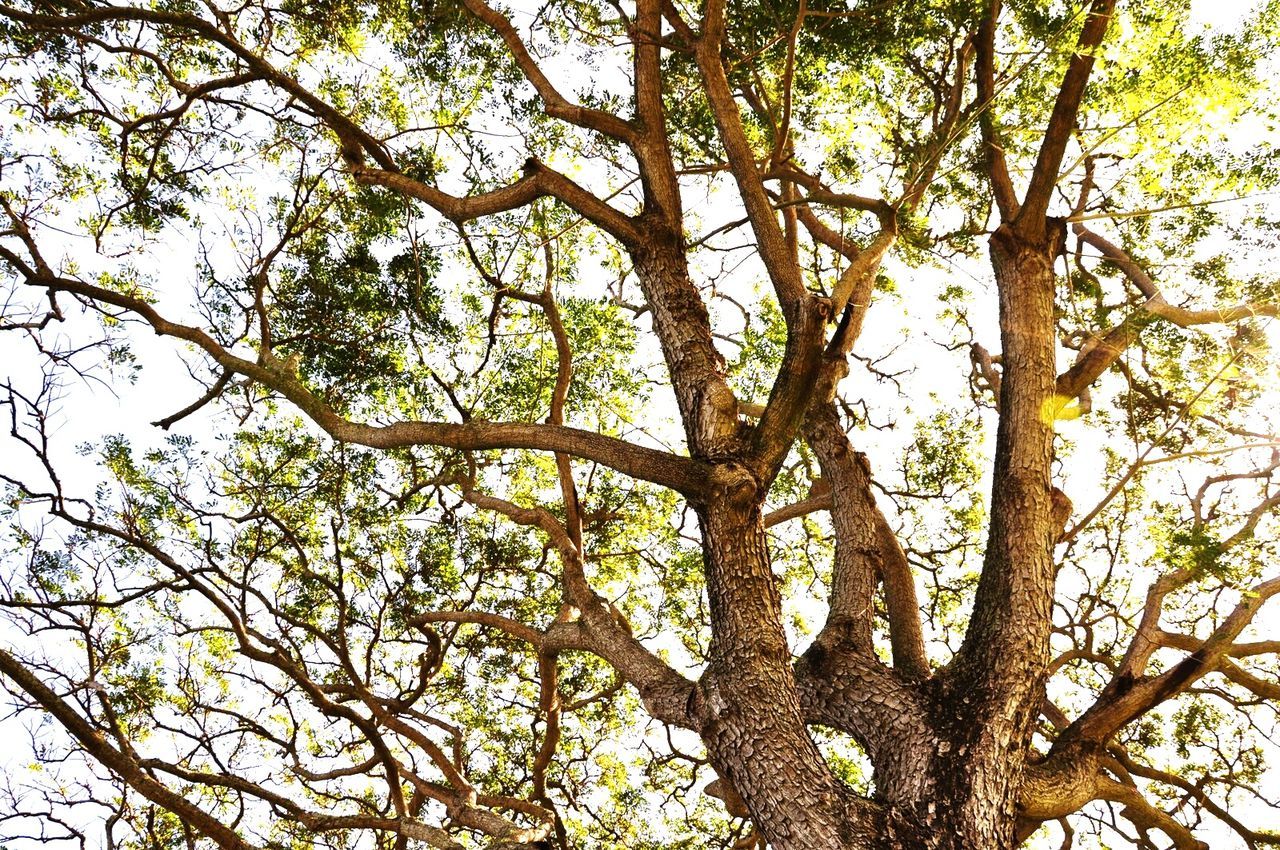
(118, 761)
(1130, 694)
(554, 103)
(681, 474)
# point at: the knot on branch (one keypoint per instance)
(723, 791)
(1060, 511)
(733, 485)
(985, 376)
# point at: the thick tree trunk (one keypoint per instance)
(754, 729)
(985, 706)
(950, 779)
(944, 782)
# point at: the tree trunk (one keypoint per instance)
(954, 781)
(951, 781)
(754, 729)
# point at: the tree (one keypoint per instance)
(525, 505)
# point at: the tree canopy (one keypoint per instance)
(804, 424)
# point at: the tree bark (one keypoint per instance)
(952, 778)
(987, 702)
(753, 725)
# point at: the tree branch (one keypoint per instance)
(997, 164)
(742, 162)
(866, 550)
(117, 761)
(1062, 121)
(538, 181)
(666, 694)
(353, 138)
(1130, 694)
(684, 475)
(554, 103)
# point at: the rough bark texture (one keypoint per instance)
(753, 725)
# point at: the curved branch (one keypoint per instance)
(352, 136)
(682, 474)
(1251, 837)
(119, 762)
(538, 181)
(1072, 778)
(821, 502)
(666, 694)
(818, 193)
(997, 165)
(782, 271)
(1099, 354)
(554, 103)
(1130, 694)
(866, 550)
(1142, 814)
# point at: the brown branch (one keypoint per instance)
(681, 474)
(1098, 354)
(997, 165)
(817, 192)
(1144, 815)
(825, 235)
(672, 16)
(946, 132)
(857, 281)
(796, 386)
(782, 142)
(1250, 836)
(1130, 694)
(515, 628)
(793, 388)
(538, 181)
(805, 507)
(1226, 667)
(117, 761)
(554, 103)
(742, 162)
(1236, 650)
(1062, 121)
(653, 144)
(1008, 630)
(559, 395)
(666, 694)
(214, 391)
(1072, 777)
(1006, 641)
(1156, 304)
(350, 134)
(866, 550)
(1265, 688)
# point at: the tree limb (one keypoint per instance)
(681, 474)
(554, 103)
